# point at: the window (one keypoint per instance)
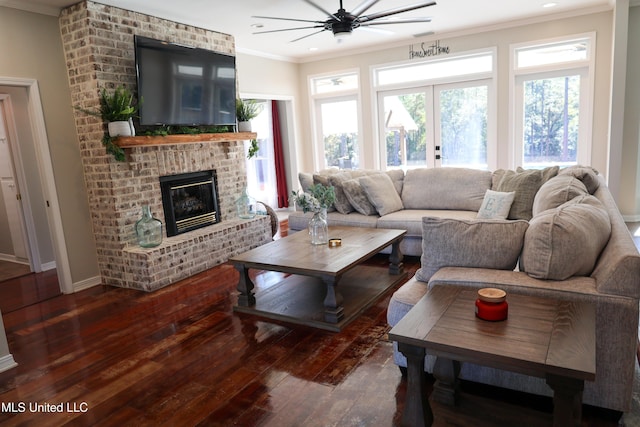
(261, 175)
(337, 122)
(442, 116)
(553, 87)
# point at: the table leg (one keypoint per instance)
(245, 287)
(333, 310)
(395, 259)
(567, 400)
(417, 411)
(445, 389)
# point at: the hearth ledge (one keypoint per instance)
(184, 255)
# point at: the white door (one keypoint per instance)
(11, 198)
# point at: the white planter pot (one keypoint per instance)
(121, 128)
(244, 126)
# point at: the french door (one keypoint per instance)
(443, 125)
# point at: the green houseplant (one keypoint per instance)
(245, 111)
(117, 109)
(117, 106)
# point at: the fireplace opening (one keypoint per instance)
(190, 201)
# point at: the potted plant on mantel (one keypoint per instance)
(245, 111)
(117, 109)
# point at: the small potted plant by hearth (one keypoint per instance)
(245, 111)
(117, 109)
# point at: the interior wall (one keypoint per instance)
(31, 48)
(501, 39)
(253, 72)
(629, 187)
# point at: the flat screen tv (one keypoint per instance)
(181, 85)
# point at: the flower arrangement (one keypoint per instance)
(317, 198)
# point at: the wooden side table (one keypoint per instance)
(542, 337)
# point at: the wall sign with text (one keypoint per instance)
(427, 50)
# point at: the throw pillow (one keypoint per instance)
(525, 183)
(341, 203)
(357, 197)
(496, 205)
(381, 193)
(397, 177)
(557, 191)
(566, 241)
(462, 243)
(306, 180)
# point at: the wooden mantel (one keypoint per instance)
(151, 141)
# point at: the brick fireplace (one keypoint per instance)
(98, 44)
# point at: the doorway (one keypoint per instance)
(39, 211)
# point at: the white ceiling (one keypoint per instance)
(235, 18)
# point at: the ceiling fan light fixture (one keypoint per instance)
(341, 30)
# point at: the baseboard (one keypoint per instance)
(87, 283)
(13, 258)
(7, 362)
(631, 218)
(48, 266)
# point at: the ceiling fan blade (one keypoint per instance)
(363, 7)
(289, 29)
(375, 30)
(321, 9)
(288, 19)
(390, 12)
(396, 21)
(308, 35)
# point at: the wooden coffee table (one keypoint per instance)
(327, 287)
(542, 337)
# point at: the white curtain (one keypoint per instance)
(261, 173)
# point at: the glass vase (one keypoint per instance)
(246, 205)
(148, 229)
(318, 228)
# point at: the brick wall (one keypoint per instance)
(99, 51)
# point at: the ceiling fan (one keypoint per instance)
(342, 23)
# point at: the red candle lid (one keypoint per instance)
(492, 295)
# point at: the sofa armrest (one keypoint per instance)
(583, 288)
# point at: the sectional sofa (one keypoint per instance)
(552, 232)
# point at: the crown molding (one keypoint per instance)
(31, 7)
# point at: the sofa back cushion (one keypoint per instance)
(525, 183)
(469, 243)
(556, 192)
(445, 188)
(566, 241)
(586, 174)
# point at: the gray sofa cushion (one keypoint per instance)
(445, 188)
(478, 243)
(566, 241)
(341, 203)
(586, 174)
(357, 197)
(556, 192)
(381, 193)
(526, 184)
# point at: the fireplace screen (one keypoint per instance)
(190, 201)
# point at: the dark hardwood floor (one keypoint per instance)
(180, 356)
(28, 289)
